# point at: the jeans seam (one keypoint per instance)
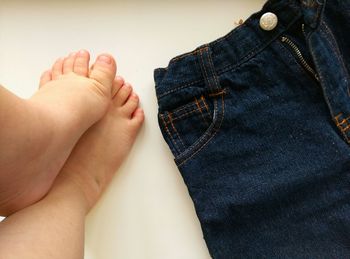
(179, 88)
(185, 114)
(170, 135)
(310, 5)
(343, 130)
(211, 65)
(318, 13)
(202, 62)
(322, 79)
(200, 109)
(183, 109)
(176, 132)
(184, 55)
(177, 110)
(216, 129)
(329, 35)
(205, 104)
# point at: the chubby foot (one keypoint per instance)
(71, 98)
(102, 149)
(75, 94)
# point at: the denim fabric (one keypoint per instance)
(262, 137)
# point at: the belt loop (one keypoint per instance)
(313, 10)
(208, 70)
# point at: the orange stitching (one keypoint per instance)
(186, 106)
(177, 133)
(196, 101)
(200, 109)
(344, 120)
(216, 131)
(337, 117)
(184, 55)
(185, 114)
(340, 126)
(309, 4)
(346, 128)
(219, 93)
(179, 88)
(167, 130)
(205, 104)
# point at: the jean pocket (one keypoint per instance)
(190, 127)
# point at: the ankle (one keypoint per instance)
(68, 190)
(85, 187)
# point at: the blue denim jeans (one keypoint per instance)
(259, 125)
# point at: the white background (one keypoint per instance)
(147, 212)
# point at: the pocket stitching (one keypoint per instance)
(201, 111)
(168, 119)
(175, 130)
(188, 108)
(185, 114)
(215, 131)
(169, 134)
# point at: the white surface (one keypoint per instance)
(147, 212)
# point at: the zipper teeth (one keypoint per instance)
(300, 56)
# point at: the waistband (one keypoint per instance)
(237, 47)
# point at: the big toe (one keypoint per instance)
(104, 70)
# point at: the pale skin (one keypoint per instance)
(49, 223)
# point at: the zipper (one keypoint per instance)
(300, 56)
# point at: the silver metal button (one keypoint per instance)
(268, 21)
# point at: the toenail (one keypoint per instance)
(82, 52)
(104, 59)
(72, 54)
(119, 79)
(60, 60)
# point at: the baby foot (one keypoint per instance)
(101, 150)
(72, 88)
(70, 99)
